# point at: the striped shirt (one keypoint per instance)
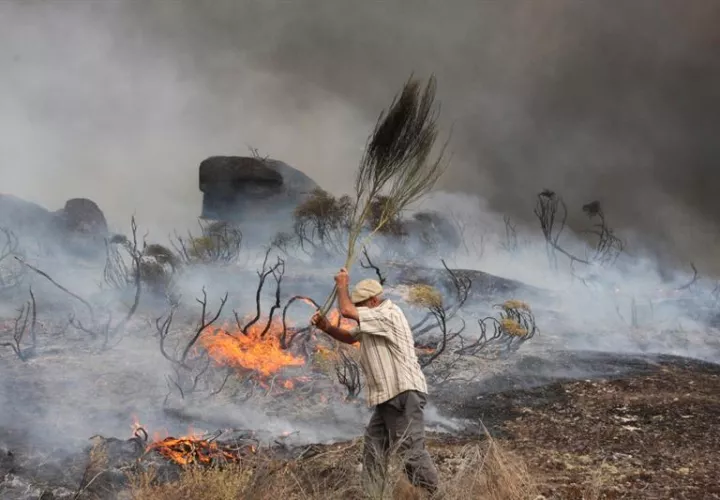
(387, 353)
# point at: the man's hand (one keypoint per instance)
(347, 308)
(340, 334)
(320, 321)
(342, 278)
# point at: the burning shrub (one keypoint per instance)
(254, 349)
(476, 470)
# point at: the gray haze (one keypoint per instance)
(618, 101)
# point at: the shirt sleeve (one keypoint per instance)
(372, 322)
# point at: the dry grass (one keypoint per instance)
(206, 483)
(484, 471)
(428, 296)
(92, 481)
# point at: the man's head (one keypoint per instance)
(367, 293)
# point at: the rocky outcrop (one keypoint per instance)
(80, 226)
(80, 215)
(248, 189)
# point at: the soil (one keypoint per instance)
(629, 426)
(648, 431)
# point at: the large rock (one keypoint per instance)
(251, 190)
(80, 215)
(79, 226)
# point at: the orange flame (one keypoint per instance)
(192, 448)
(256, 349)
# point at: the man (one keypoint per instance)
(395, 386)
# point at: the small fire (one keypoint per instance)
(257, 349)
(192, 448)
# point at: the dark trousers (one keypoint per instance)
(398, 425)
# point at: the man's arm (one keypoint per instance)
(339, 334)
(347, 308)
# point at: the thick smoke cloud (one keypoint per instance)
(597, 100)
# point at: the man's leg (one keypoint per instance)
(375, 450)
(405, 421)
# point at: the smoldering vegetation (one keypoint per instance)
(146, 322)
(113, 334)
(208, 333)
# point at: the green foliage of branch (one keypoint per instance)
(396, 165)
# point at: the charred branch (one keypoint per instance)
(25, 319)
(515, 326)
(203, 323)
(693, 280)
(59, 286)
(461, 287)
(189, 370)
(286, 341)
(348, 374)
(368, 264)
(551, 212)
(228, 374)
(608, 246)
(510, 244)
(118, 274)
(10, 275)
(277, 271)
(163, 328)
(446, 336)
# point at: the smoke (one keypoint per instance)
(596, 102)
(120, 101)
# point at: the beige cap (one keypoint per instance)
(365, 289)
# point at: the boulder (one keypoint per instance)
(251, 190)
(81, 215)
(78, 227)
